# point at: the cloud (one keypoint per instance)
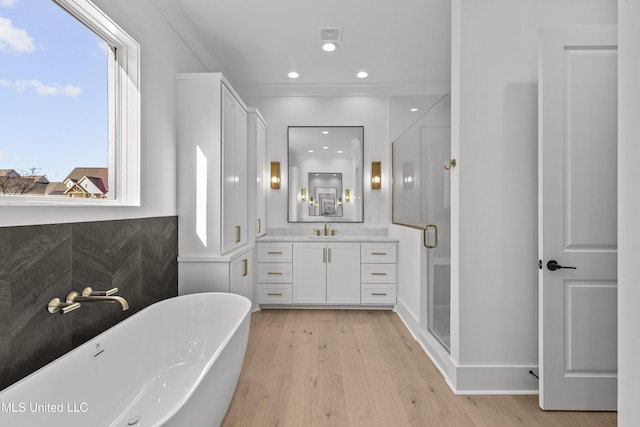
(14, 40)
(48, 90)
(5, 83)
(8, 3)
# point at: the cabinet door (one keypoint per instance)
(343, 273)
(261, 205)
(242, 275)
(234, 172)
(230, 231)
(309, 273)
(241, 182)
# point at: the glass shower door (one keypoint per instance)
(421, 200)
(436, 151)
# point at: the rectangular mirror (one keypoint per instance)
(325, 173)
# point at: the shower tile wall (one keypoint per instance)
(37, 263)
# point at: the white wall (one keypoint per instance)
(494, 88)
(163, 54)
(628, 213)
(367, 111)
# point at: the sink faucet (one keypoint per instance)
(325, 227)
(88, 295)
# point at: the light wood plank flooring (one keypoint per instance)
(363, 368)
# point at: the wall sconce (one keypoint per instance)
(347, 195)
(376, 175)
(303, 194)
(275, 175)
(339, 201)
(310, 201)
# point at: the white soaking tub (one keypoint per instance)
(175, 363)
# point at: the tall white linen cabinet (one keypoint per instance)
(217, 187)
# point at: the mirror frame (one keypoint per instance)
(320, 217)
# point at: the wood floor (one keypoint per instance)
(363, 368)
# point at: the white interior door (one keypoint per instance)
(577, 214)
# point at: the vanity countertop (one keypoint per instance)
(338, 238)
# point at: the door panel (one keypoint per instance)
(240, 173)
(343, 273)
(309, 273)
(229, 231)
(577, 204)
(590, 166)
(590, 345)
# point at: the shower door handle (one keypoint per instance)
(424, 236)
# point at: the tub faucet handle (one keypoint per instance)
(57, 306)
(88, 292)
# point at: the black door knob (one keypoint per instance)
(553, 265)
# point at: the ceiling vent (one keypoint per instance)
(330, 34)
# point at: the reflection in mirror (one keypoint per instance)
(327, 194)
(325, 173)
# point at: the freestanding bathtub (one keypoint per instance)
(175, 363)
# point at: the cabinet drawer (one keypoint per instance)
(377, 294)
(274, 272)
(384, 253)
(378, 273)
(274, 252)
(274, 294)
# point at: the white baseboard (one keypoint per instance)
(495, 379)
(470, 379)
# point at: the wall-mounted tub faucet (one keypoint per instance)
(89, 295)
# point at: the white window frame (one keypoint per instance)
(124, 114)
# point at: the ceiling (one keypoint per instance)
(404, 45)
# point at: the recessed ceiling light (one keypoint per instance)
(413, 110)
(325, 148)
(293, 75)
(311, 151)
(339, 151)
(325, 132)
(329, 46)
(362, 74)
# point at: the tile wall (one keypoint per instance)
(38, 263)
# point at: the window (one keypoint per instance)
(69, 106)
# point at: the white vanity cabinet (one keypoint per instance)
(212, 166)
(326, 273)
(333, 273)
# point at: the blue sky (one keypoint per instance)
(53, 90)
